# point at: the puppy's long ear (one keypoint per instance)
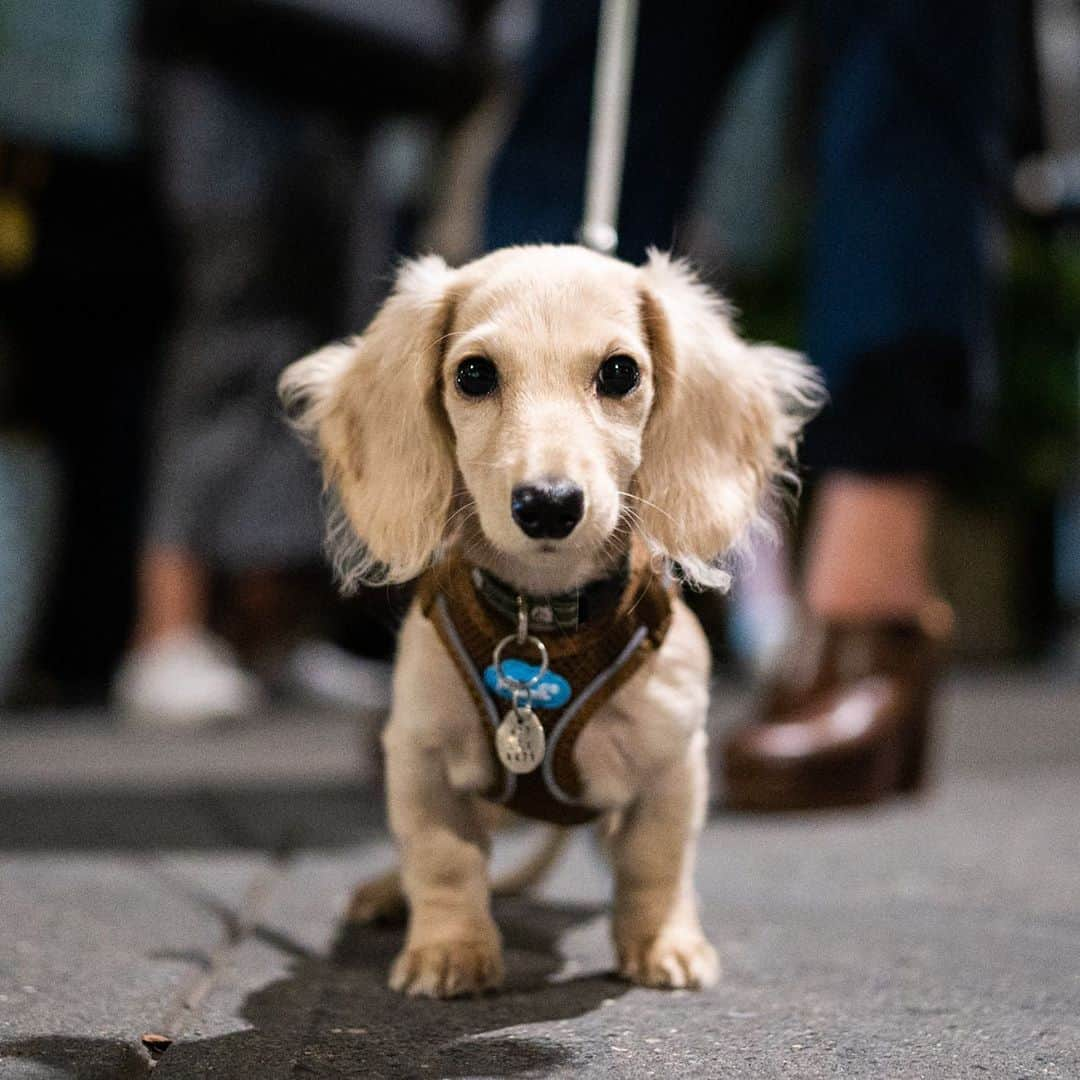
(371, 406)
(724, 425)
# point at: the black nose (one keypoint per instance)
(550, 508)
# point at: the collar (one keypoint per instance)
(563, 612)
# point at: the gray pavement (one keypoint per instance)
(193, 885)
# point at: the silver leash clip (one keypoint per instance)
(522, 621)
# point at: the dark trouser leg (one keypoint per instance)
(250, 194)
(684, 55)
(911, 143)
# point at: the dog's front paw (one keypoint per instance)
(672, 960)
(448, 969)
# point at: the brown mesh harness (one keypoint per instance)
(595, 657)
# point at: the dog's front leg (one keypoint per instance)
(657, 930)
(452, 946)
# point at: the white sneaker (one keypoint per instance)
(321, 673)
(185, 680)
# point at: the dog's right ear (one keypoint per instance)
(724, 427)
(371, 407)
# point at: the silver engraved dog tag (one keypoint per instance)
(519, 741)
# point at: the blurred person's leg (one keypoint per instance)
(230, 492)
(869, 547)
(912, 138)
(173, 593)
(267, 201)
(87, 405)
(684, 56)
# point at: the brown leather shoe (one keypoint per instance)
(848, 719)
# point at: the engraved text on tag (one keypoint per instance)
(519, 741)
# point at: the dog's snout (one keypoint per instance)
(547, 509)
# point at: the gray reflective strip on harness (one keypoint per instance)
(598, 683)
(509, 780)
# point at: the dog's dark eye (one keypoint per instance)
(476, 376)
(618, 375)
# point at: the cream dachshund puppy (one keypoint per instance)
(547, 437)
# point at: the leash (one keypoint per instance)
(616, 40)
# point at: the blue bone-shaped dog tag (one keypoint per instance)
(551, 692)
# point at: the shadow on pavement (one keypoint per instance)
(335, 1017)
(59, 1057)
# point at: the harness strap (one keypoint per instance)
(596, 660)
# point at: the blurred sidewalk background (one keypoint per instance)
(192, 886)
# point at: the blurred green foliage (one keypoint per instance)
(1037, 414)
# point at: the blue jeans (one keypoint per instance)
(909, 148)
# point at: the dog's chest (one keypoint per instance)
(532, 716)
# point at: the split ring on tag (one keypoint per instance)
(519, 740)
(509, 681)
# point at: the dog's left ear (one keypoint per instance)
(371, 407)
(724, 426)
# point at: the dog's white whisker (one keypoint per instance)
(444, 338)
(489, 464)
(463, 509)
(649, 503)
